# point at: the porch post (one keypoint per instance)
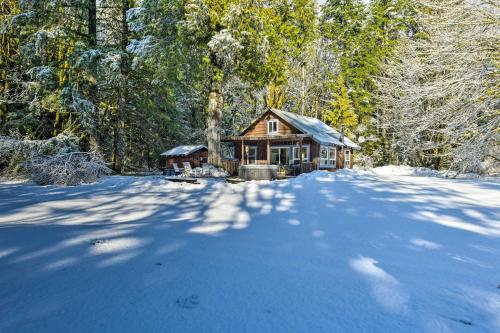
(300, 154)
(242, 151)
(268, 151)
(318, 162)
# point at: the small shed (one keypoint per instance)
(196, 155)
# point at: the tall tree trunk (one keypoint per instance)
(214, 119)
(92, 22)
(5, 56)
(119, 122)
(303, 93)
(92, 38)
(4, 63)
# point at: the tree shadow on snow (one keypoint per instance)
(330, 252)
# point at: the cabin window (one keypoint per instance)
(332, 156)
(324, 155)
(251, 152)
(305, 154)
(328, 157)
(272, 126)
(347, 159)
(280, 155)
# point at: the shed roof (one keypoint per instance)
(320, 132)
(183, 150)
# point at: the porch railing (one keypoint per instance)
(307, 167)
(231, 166)
(297, 169)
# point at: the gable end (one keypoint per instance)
(259, 126)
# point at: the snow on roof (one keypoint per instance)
(182, 150)
(321, 132)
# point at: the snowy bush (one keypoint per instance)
(11, 157)
(363, 161)
(55, 161)
(71, 168)
(217, 172)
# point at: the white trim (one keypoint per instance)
(273, 121)
(329, 149)
(347, 152)
(308, 157)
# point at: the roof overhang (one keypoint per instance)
(328, 137)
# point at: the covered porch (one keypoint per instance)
(293, 153)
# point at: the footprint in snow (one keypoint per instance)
(462, 321)
(98, 241)
(189, 302)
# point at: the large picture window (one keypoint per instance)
(328, 157)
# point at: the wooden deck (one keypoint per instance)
(235, 180)
(182, 180)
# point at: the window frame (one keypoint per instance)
(247, 151)
(321, 158)
(279, 153)
(331, 151)
(347, 158)
(334, 159)
(296, 160)
(276, 123)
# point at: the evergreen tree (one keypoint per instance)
(9, 58)
(342, 113)
(247, 39)
(362, 38)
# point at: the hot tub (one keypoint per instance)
(258, 172)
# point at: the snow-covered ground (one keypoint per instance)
(352, 251)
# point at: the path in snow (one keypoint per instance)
(325, 252)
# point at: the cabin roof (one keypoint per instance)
(318, 130)
(183, 150)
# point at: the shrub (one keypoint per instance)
(55, 161)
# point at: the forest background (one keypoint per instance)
(413, 82)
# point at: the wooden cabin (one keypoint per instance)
(196, 155)
(299, 143)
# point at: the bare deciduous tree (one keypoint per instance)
(440, 94)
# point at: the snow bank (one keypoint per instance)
(404, 170)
